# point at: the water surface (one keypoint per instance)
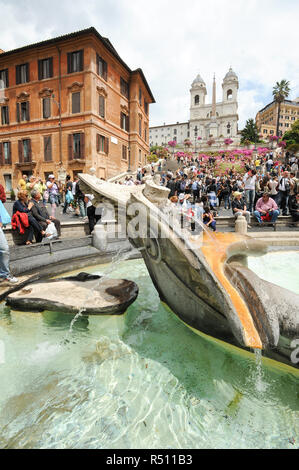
(142, 380)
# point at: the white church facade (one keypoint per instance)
(216, 121)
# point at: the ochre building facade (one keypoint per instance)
(70, 104)
(266, 118)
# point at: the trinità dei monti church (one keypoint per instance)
(214, 121)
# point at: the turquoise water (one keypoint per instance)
(142, 380)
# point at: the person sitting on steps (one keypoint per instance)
(41, 214)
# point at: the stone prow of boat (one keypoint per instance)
(213, 292)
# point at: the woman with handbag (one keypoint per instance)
(21, 206)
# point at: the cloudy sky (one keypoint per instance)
(174, 40)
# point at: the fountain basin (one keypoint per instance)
(205, 284)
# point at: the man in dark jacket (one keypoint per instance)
(40, 213)
(170, 185)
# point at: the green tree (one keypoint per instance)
(280, 92)
(250, 132)
(292, 137)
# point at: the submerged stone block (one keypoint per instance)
(93, 295)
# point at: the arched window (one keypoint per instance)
(228, 128)
(229, 95)
(196, 100)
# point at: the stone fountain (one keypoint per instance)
(203, 278)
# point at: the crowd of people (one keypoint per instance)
(34, 195)
(268, 187)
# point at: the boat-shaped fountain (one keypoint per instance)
(204, 277)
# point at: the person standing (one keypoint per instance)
(22, 183)
(68, 187)
(272, 185)
(80, 198)
(283, 192)
(249, 187)
(5, 276)
(93, 217)
(53, 191)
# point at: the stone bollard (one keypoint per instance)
(100, 238)
(241, 225)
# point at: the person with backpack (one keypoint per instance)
(182, 186)
(81, 201)
(68, 194)
(53, 191)
(283, 192)
(195, 189)
(293, 190)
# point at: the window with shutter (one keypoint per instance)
(1, 155)
(76, 102)
(124, 153)
(140, 127)
(23, 106)
(145, 107)
(124, 88)
(106, 150)
(82, 145)
(18, 112)
(46, 108)
(4, 115)
(102, 106)
(102, 67)
(122, 121)
(70, 146)
(26, 150)
(76, 145)
(140, 96)
(7, 153)
(75, 61)
(22, 73)
(27, 111)
(20, 150)
(45, 68)
(48, 148)
(102, 144)
(4, 79)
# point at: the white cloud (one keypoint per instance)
(172, 41)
